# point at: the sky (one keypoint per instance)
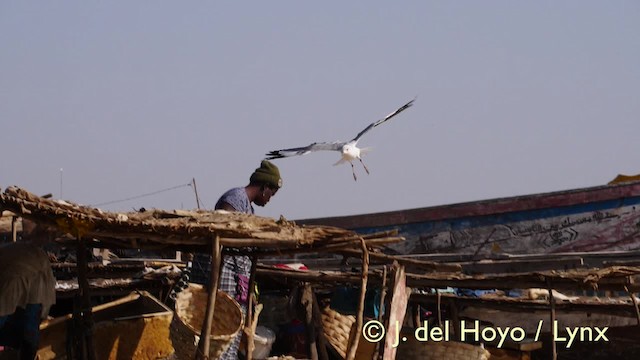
(102, 101)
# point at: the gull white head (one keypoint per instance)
(350, 152)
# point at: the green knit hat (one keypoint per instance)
(267, 173)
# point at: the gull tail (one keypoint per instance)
(366, 150)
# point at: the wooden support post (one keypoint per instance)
(202, 352)
(383, 294)
(85, 348)
(552, 303)
(307, 303)
(415, 312)
(354, 338)
(14, 229)
(251, 319)
(455, 317)
(439, 307)
(317, 323)
(251, 331)
(397, 310)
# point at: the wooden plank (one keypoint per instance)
(520, 266)
(426, 265)
(587, 279)
(397, 311)
(527, 305)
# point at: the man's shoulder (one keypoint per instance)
(236, 197)
(234, 193)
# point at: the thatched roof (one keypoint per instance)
(178, 229)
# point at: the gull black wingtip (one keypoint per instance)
(410, 103)
(273, 155)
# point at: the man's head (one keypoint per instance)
(267, 178)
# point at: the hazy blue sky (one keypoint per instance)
(131, 97)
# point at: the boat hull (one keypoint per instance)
(604, 218)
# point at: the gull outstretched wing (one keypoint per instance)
(376, 123)
(277, 154)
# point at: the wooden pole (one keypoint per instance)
(383, 294)
(552, 303)
(439, 307)
(14, 229)
(455, 317)
(354, 339)
(430, 266)
(317, 322)
(86, 349)
(634, 301)
(250, 329)
(307, 303)
(195, 190)
(203, 346)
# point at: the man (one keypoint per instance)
(236, 270)
(27, 288)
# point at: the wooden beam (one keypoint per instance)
(566, 281)
(520, 266)
(310, 276)
(410, 263)
(527, 305)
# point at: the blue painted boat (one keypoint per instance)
(594, 219)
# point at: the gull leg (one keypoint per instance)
(365, 166)
(353, 170)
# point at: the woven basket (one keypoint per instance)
(337, 328)
(413, 349)
(191, 307)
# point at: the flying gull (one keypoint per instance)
(349, 149)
